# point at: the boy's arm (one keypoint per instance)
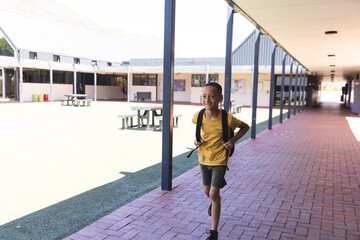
(243, 129)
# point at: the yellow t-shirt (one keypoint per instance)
(212, 152)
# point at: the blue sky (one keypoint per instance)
(200, 24)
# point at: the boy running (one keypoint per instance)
(212, 150)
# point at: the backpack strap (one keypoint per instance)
(198, 129)
(225, 128)
(198, 125)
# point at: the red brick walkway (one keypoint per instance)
(297, 181)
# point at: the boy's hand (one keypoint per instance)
(198, 144)
(228, 145)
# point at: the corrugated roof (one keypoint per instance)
(244, 53)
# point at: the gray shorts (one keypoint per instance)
(214, 175)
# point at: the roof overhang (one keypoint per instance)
(299, 27)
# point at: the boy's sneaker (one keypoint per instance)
(213, 235)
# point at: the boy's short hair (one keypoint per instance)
(214, 84)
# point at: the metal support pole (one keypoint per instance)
(290, 88)
(74, 84)
(16, 83)
(296, 87)
(95, 83)
(305, 84)
(168, 95)
(272, 83)
(282, 89)
(3, 82)
(300, 87)
(128, 84)
(207, 74)
(228, 58)
(21, 82)
(255, 79)
(51, 82)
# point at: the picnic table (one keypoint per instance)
(76, 100)
(147, 109)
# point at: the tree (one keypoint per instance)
(5, 48)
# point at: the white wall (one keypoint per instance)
(44, 57)
(134, 89)
(196, 94)
(35, 88)
(240, 98)
(59, 90)
(105, 92)
(183, 96)
(263, 90)
(245, 98)
(66, 59)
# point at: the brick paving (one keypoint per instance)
(297, 181)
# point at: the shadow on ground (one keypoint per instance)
(69, 216)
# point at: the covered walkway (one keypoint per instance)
(297, 181)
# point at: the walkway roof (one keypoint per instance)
(299, 27)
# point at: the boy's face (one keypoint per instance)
(211, 97)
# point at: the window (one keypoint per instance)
(56, 58)
(77, 60)
(109, 64)
(199, 80)
(104, 80)
(33, 55)
(144, 79)
(94, 62)
(286, 90)
(214, 78)
(60, 77)
(36, 76)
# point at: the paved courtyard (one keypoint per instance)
(297, 181)
(53, 156)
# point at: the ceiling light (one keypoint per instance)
(331, 32)
(332, 65)
(331, 55)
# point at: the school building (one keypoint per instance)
(42, 65)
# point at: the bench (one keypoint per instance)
(81, 102)
(236, 108)
(142, 96)
(175, 117)
(66, 102)
(126, 119)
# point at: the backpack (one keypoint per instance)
(225, 127)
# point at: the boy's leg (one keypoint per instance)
(207, 190)
(216, 207)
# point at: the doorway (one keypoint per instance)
(80, 83)
(7, 83)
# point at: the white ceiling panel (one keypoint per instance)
(299, 28)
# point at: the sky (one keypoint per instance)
(200, 24)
